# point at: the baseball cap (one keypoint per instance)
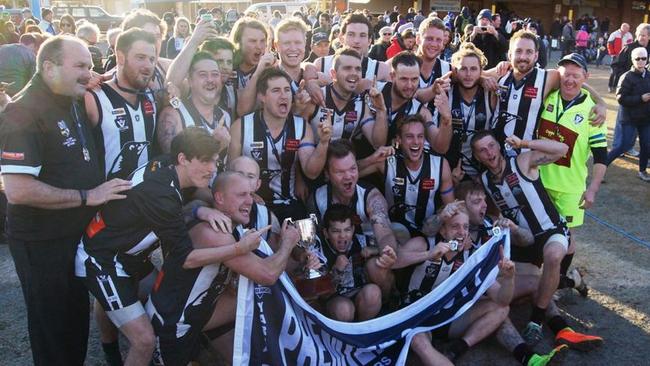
(405, 27)
(318, 37)
(485, 13)
(574, 58)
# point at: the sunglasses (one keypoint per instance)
(386, 34)
(640, 59)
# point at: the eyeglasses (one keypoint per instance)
(640, 59)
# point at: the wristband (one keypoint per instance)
(524, 144)
(84, 197)
(195, 212)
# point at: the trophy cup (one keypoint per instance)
(307, 228)
(313, 283)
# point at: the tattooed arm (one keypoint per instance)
(541, 152)
(378, 212)
(169, 125)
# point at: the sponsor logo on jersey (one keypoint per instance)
(350, 116)
(260, 291)
(257, 145)
(292, 145)
(530, 92)
(147, 108)
(118, 112)
(6, 155)
(427, 184)
(398, 180)
(512, 179)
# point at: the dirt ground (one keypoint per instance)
(617, 308)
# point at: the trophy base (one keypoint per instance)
(314, 288)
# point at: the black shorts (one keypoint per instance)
(534, 254)
(114, 288)
(177, 351)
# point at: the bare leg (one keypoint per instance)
(341, 308)
(381, 277)
(479, 322)
(429, 356)
(368, 302)
(553, 254)
(508, 336)
(140, 335)
(108, 333)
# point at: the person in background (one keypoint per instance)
(403, 41)
(582, 41)
(18, 62)
(277, 17)
(320, 46)
(568, 38)
(181, 34)
(28, 18)
(378, 50)
(89, 33)
(46, 21)
(542, 59)
(486, 38)
(67, 25)
(633, 95)
(615, 43)
(601, 51)
(8, 31)
(111, 37)
(168, 18)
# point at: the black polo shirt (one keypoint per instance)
(39, 137)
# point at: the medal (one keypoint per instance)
(86, 153)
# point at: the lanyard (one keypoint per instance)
(80, 132)
(269, 137)
(558, 103)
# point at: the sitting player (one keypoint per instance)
(428, 262)
(347, 260)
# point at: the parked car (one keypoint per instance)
(93, 14)
(265, 10)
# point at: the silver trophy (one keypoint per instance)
(308, 239)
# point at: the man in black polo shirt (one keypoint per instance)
(52, 179)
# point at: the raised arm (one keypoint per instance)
(312, 159)
(541, 152)
(180, 66)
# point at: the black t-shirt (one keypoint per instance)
(39, 136)
(152, 210)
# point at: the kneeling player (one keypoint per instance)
(186, 302)
(347, 259)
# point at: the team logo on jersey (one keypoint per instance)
(118, 112)
(530, 92)
(65, 131)
(260, 291)
(578, 119)
(431, 269)
(120, 123)
(147, 108)
(549, 108)
(256, 154)
(292, 145)
(427, 184)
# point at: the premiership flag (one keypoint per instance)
(275, 326)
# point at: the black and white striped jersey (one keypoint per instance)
(412, 196)
(277, 157)
(522, 200)
(347, 122)
(520, 105)
(125, 132)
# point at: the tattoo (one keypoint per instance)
(167, 129)
(542, 159)
(379, 210)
